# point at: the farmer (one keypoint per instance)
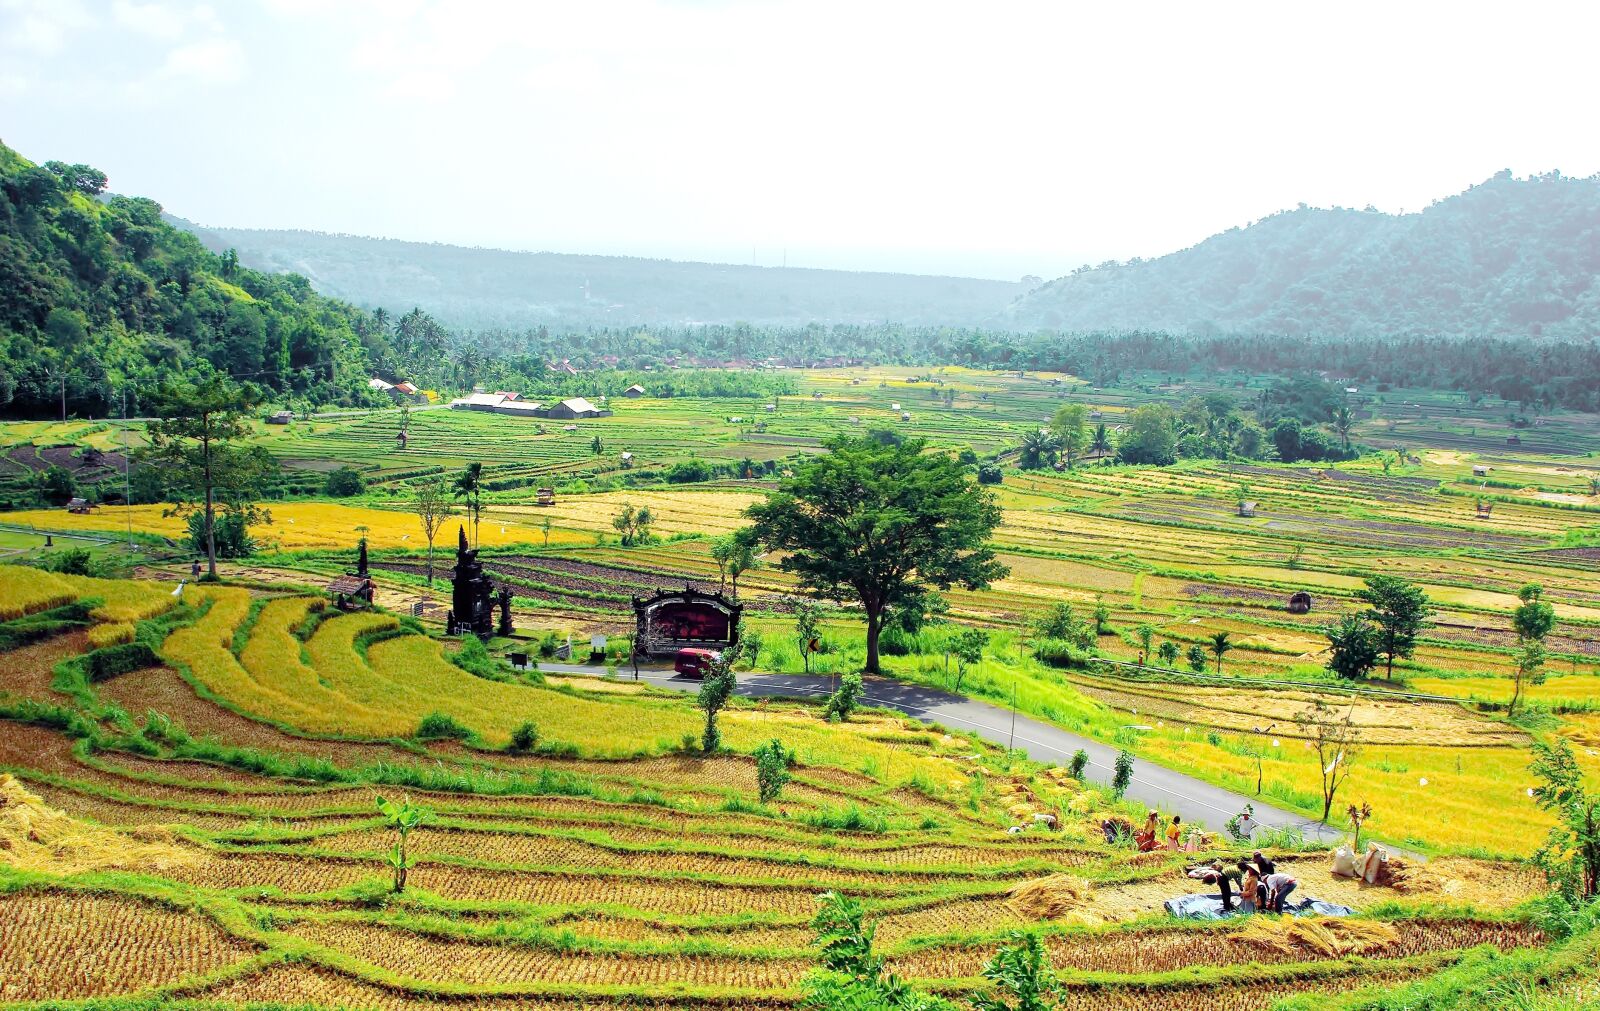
(1278, 888)
(1249, 887)
(1145, 838)
(1228, 879)
(1264, 865)
(1173, 832)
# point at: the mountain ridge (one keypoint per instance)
(474, 287)
(1507, 257)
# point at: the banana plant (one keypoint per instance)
(402, 816)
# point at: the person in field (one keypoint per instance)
(1145, 838)
(1278, 888)
(1264, 865)
(1250, 898)
(1174, 832)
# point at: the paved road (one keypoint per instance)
(1154, 785)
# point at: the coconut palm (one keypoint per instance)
(1039, 449)
(1343, 422)
(1100, 442)
(1220, 644)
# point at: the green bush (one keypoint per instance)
(525, 737)
(344, 482)
(441, 726)
(1059, 653)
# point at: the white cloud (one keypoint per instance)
(217, 61)
(41, 26)
(153, 19)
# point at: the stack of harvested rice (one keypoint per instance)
(35, 836)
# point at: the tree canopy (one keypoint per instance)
(881, 525)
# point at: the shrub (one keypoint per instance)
(1079, 763)
(1059, 653)
(68, 561)
(440, 726)
(345, 481)
(843, 702)
(525, 737)
(772, 769)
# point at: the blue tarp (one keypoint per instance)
(1209, 907)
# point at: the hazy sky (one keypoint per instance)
(992, 139)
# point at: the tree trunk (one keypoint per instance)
(63, 398)
(211, 516)
(874, 626)
(430, 561)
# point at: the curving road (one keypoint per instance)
(1156, 786)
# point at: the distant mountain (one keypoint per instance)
(1509, 257)
(491, 288)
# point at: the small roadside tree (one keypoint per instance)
(845, 698)
(1337, 742)
(1358, 815)
(1122, 774)
(431, 503)
(967, 648)
(1196, 655)
(807, 627)
(772, 769)
(715, 691)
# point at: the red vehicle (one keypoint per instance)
(694, 662)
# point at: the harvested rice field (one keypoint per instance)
(206, 832)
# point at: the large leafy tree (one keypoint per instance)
(1151, 436)
(193, 438)
(1070, 427)
(1400, 610)
(881, 524)
(1571, 854)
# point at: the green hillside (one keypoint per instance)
(100, 297)
(1509, 257)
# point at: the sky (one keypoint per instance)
(993, 140)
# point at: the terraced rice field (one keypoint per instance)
(196, 860)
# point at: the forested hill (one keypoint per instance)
(101, 298)
(482, 289)
(1510, 257)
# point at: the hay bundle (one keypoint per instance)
(1323, 938)
(35, 836)
(1051, 897)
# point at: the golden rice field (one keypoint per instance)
(302, 526)
(609, 869)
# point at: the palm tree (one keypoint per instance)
(1219, 646)
(1100, 442)
(1039, 448)
(1343, 422)
(469, 486)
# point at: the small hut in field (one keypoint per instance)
(1247, 507)
(1300, 602)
